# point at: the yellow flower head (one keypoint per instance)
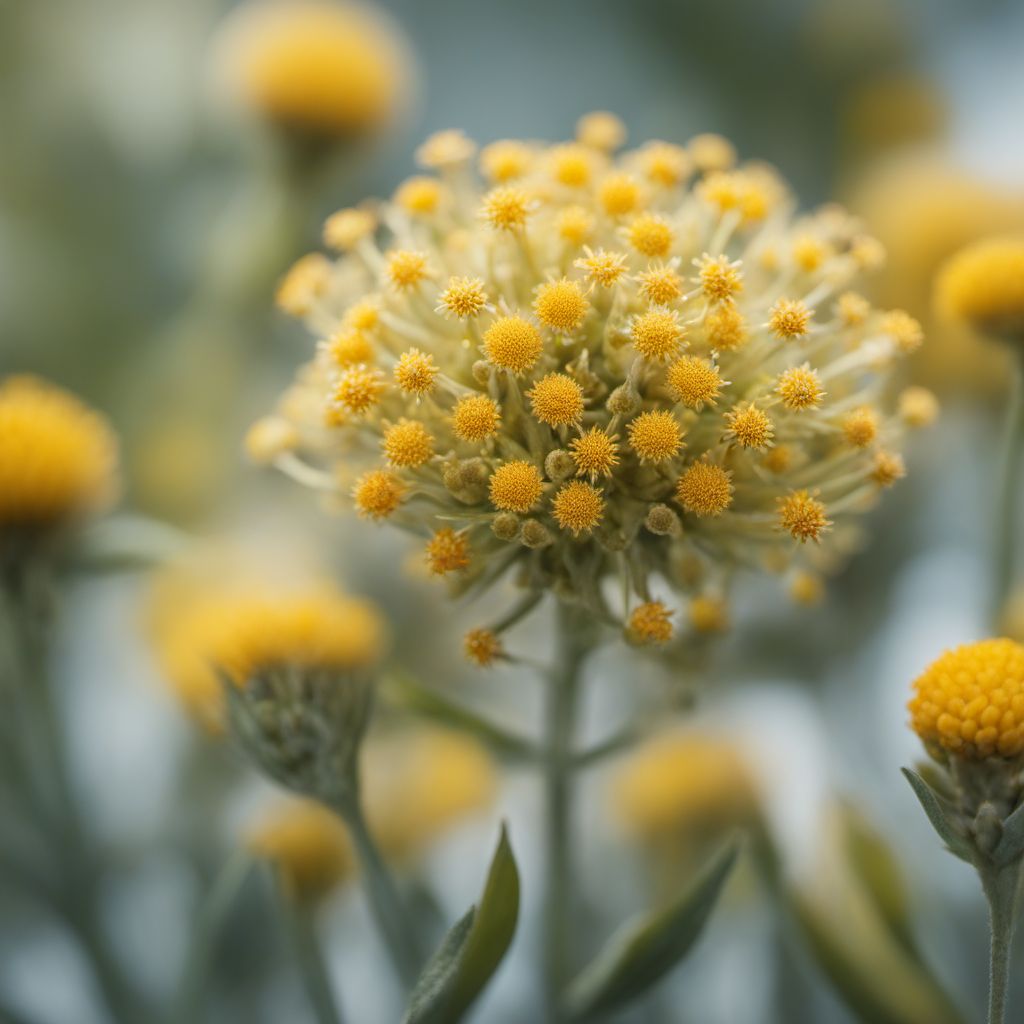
(725, 327)
(705, 489)
(378, 493)
(904, 330)
(618, 195)
(447, 551)
(983, 285)
(407, 443)
(790, 319)
(512, 343)
(578, 507)
(58, 458)
(918, 407)
(345, 229)
(560, 305)
(664, 164)
(860, 427)
(888, 468)
(970, 701)
(515, 486)
(694, 381)
(658, 334)
(660, 285)
(655, 436)
(419, 196)
(709, 614)
(415, 372)
(349, 347)
(482, 647)
(358, 389)
(650, 235)
(594, 453)
(464, 297)
(650, 623)
(572, 165)
(800, 388)
(719, 277)
(602, 267)
(601, 130)
(406, 269)
(506, 207)
(749, 426)
(574, 224)
(505, 160)
(803, 516)
(476, 417)
(304, 283)
(556, 399)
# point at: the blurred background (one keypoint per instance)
(146, 215)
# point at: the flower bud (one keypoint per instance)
(505, 526)
(624, 400)
(559, 465)
(535, 535)
(663, 521)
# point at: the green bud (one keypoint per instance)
(559, 465)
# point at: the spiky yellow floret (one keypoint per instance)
(705, 489)
(574, 224)
(419, 195)
(650, 623)
(694, 381)
(720, 278)
(618, 194)
(58, 458)
(800, 388)
(349, 347)
(852, 309)
(888, 467)
(572, 164)
(464, 297)
(660, 285)
(407, 444)
(712, 152)
(506, 207)
(358, 389)
(578, 507)
(790, 318)
(406, 268)
(515, 486)
(447, 551)
(448, 148)
(505, 160)
(556, 399)
(377, 493)
(658, 333)
(345, 229)
(512, 343)
(725, 327)
(483, 647)
(664, 164)
(415, 372)
(918, 407)
(749, 426)
(803, 516)
(560, 305)
(594, 453)
(860, 427)
(709, 614)
(476, 417)
(904, 330)
(806, 588)
(305, 281)
(363, 315)
(602, 267)
(655, 436)
(809, 253)
(970, 701)
(983, 285)
(602, 130)
(650, 235)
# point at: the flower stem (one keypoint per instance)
(559, 765)
(1004, 536)
(1000, 886)
(302, 926)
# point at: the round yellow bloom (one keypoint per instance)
(790, 319)
(556, 399)
(918, 407)
(407, 443)
(602, 267)
(694, 381)
(270, 437)
(578, 507)
(983, 284)
(464, 297)
(482, 647)
(650, 235)
(725, 327)
(444, 149)
(303, 284)
(664, 164)
(806, 588)
(655, 436)
(749, 426)
(512, 343)
(574, 224)
(415, 372)
(345, 229)
(650, 623)
(860, 427)
(330, 69)
(447, 551)
(903, 329)
(711, 152)
(350, 347)
(419, 196)
(660, 286)
(658, 334)
(709, 614)
(58, 458)
(506, 207)
(803, 516)
(560, 305)
(516, 486)
(888, 468)
(406, 269)
(594, 453)
(719, 277)
(852, 309)
(358, 389)
(572, 165)
(970, 701)
(800, 388)
(601, 130)
(618, 195)
(476, 417)
(705, 489)
(505, 160)
(378, 493)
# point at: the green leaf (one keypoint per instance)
(1011, 845)
(472, 951)
(644, 950)
(934, 807)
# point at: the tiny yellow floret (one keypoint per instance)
(572, 164)
(660, 285)
(419, 196)
(358, 389)
(415, 372)
(345, 229)
(800, 388)
(349, 347)
(720, 278)
(694, 381)
(578, 507)
(904, 330)
(664, 164)
(601, 130)
(790, 318)
(803, 516)
(650, 235)
(506, 207)
(556, 399)
(561, 305)
(705, 489)
(655, 436)
(650, 623)
(725, 327)
(516, 486)
(749, 426)
(602, 267)
(709, 614)
(505, 160)
(658, 333)
(464, 297)
(483, 647)
(888, 468)
(268, 438)
(512, 343)
(852, 309)
(476, 417)
(447, 551)
(860, 427)
(918, 407)
(574, 224)
(407, 444)
(377, 493)
(406, 268)
(594, 453)
(304, 283)
(618, 194)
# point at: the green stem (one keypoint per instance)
(1004, 548)
(559, 768)
(302, 926)
(393, 921)
(212, 912)
(1000, 886)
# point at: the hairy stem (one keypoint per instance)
(302, 926)
(1000, 886)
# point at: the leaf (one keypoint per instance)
(472, 951)
(641, 952)
(1011, 845)
(936, 811)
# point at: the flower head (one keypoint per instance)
(650, 623)
(983, 285)
(577, 507)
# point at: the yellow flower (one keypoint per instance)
(464, 297)
(790, 319)
(505, 160)
(482, 647)
(405, 268)
(476, 418)
(560, 305)
(58, 458)
(594, 453)
(378, 493)
(419, 196)
(803, 516)
(970, 701)
(705, 489)
(720, 278)
(578, 507)
(358, 389)
(650, 623)
(270, 437)
(650, 235)
(709, 614)
(694, 381)
(601, 130)
(506, 207)
(860, 427)
(660, 285)
(918, 407)
(655, 436)
(749, 426)
(658, 334)
(407, 443)
(304, 283)
(603, 267)
(512, 343)
(556, 399)
(515, 486)
(447, 551)
(983, 285)
(345, 229)
(415, 372)
(331, 69)
(800, 388)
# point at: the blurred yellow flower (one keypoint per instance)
(983, 285)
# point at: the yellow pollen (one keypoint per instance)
(918, 407)
(694, 381)
(476, 417)
(406, 269)
(984, 286)
(578, 507)
(665, 164)
(447, 551)
(749, 426)
(650, 235)
(560, 305)
(705, 489)
(709, 614)
(482, 647)
(512, 343)
(345, 229)
(358, 389)
(601, 130)
(506, 207)
(505, 160)
(602, 267)
(660, 286)
(419, 196)
(363, 315)
(719, 278)
(725, 328)
(594, 453)
(655, 436)
(349, 347)
(800, 388)
(407, 444)
(516, 486)
(650, 623)
(572, 165)
(464, 297)
(809, 253)
(415, 372)
(303, 284)
(447, 148)
(712, 152)
(658, 334)
(790, 319)
(888, 468)
(556, 399)
(852, 309)
(803, 516)
(378, 493)
(618, 194)
(860, 427)
(574, 224)
(904, 330)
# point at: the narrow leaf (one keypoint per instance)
(644, 950)
(933, 807)
(1011, 845)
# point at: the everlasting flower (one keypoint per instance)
(650, 623)
(538, 329)
(983, 285)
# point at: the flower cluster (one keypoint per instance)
(587, 365)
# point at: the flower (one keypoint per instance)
(650, 623)
(58, 457)
(970, 701)
(983, 284)
(329, 69)
(591, 410)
